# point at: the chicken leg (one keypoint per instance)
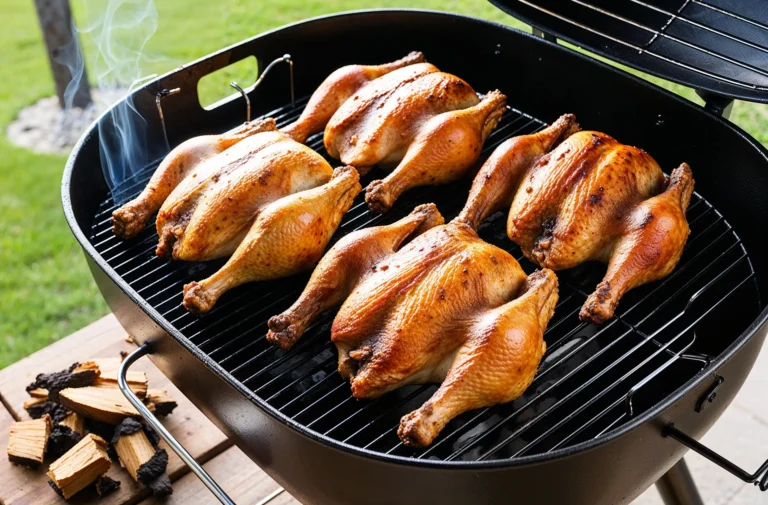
(335, 90)
(130, 219)
(444, 150)
(649, 248)
(288, 236)
(496, 363)
(341, 269)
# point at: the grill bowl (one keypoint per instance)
(544, 80)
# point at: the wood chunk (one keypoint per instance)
(109, 368)
(80, 466)
(66, 434)
(38, 393)
(107, 405)
(37, 407)
(74, 422)
(106, 485)
(76, 376)
(161, 487)
(136, 452)
(28, 441)
(160, 402)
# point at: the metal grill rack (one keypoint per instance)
(592, 379)
(717, 46)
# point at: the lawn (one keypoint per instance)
(46, 291)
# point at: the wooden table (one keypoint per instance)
(245, 482)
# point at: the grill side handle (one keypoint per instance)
(185, 456)
(759, 478)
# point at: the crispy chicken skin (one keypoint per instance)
(211, 210)
(577, 197)
(288, 236)
(130, 219)
(335, 90)
(446, 306)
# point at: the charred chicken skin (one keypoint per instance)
(582, 196)
(427, 126)
(446, 307)
(288, 236)
(211, 210)
(130, 219)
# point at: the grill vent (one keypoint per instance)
(592, 379)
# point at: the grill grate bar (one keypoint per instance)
(731, 14)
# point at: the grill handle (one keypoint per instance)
(148, 416)
(759, 478)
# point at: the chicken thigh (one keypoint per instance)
(446, 307)
(130, 219)
(211, 210)
(589, 198)
(288, 236)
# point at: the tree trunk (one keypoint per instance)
(64, 53)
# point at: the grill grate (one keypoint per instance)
(712, 44)
(592, 379)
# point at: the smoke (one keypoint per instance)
(116, 32)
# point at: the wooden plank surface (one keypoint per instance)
(102, 339)
(242, 480)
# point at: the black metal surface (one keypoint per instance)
(719, 46)
(651, 360)
(677, 487)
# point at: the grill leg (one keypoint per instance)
(677, 487)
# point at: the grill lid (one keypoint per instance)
(717, 47)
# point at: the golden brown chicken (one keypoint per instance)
(211, 210)
(288, 236)
(130, 219)
(335, 90)
(446, 307)
(426, 125)
(584, 196)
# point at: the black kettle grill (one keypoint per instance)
(613, 407)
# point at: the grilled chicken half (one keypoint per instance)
(130, 219)
(446, 307)
(583, 196)
(288, 236)
(211, 210)
(426, 126)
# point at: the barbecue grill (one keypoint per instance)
(613, 407)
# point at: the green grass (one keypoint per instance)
(46, 291)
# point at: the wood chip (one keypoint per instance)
(140, 457)
(160, 402)
(109, 368)
(74, 422)
(76, 376)
(107, 405)
(28, 441)
(80, 466)
(39, 393)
